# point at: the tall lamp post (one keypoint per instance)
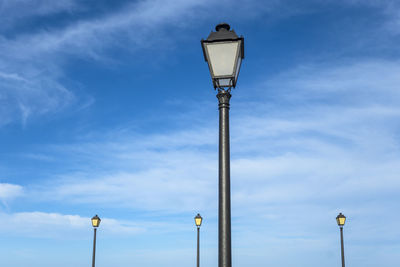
(223, 51)
(95, 223)
(198, 219)
(341, 219)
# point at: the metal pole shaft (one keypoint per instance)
(342, 245)
(224, 207)
(198, 246)
(94, 248)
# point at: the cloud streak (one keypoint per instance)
(32, 76)
(56, 225)
(9, 190)
(14, 11)
(346, 148)
(31, 87)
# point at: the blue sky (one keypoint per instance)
(107, 107)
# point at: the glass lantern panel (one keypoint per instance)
(198, 221)
(225, 82)
(238, 68)
(95, 222)
(342, 221)
(222, 58)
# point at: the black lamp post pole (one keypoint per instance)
(224, 207)
(342, 245)
(198, 246)
(94, 248)
(224, 51)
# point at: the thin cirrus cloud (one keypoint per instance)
(274, 157)
(32, 63)
(340, 106)
(288, 154)
(32, 88)
(280, 176)
(14, 11)
(56, 225)
(32, 94)
(10, 191)
(175, 186)
(347, 162)
(313, 141)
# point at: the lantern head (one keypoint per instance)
(96, 221)
(341, 219)
(223, 50)
(198, 219)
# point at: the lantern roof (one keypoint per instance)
(223, 32)
(340, 216)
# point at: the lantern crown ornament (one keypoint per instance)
(198, 219)
(223, 51)
(341, 219)
(96, 221)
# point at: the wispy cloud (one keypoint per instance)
(14, 11)
(10, 191)
(30, 94)
(31, 87)
(320, 139)
(388, 8)
(178, 181)
(340, 156)
(56, 225)
(32, 68)
(316, 140)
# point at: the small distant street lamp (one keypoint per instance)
(224, 51)
(95, 223)
(198, 219)
(341, 219)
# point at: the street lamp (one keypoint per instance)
(224, 51)
(198, 219)
(95, 223)
(341, 219)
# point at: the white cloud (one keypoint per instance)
(177, 185)
(56, 225)
(309, 152)
(10, 191)
(32, 66)
(389, 10)
(31, 87)
(17, 10)
(328, 155)
(136, 24)
(295, 165)
(31, 94)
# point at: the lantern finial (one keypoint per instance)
(223, 25)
